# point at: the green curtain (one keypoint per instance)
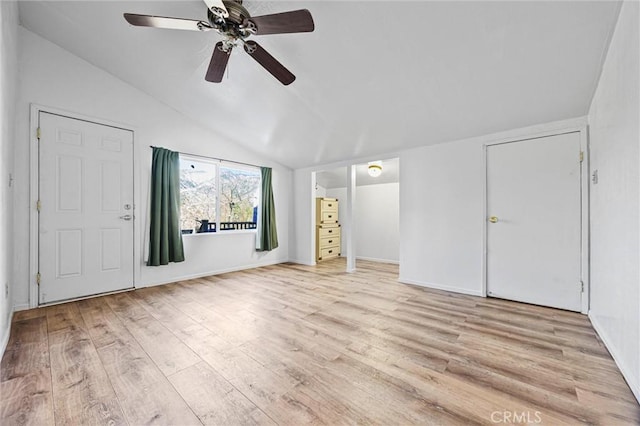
(165, 242)
(267, 238)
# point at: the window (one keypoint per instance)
(217, 196)
(239, 194)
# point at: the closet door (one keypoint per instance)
(534, 221)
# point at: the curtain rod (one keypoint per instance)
(211, 158)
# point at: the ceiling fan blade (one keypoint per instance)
(217, 7)
(269, 63)
(166, 22)
(218, 64)
(296, 21)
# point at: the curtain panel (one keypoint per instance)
(165, 237)
(267, 237)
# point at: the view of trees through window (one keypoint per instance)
(198, 193)
(238, 191)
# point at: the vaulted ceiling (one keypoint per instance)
(375, 76)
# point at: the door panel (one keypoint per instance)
(534, 247)
(111, 242)
(69, 253)
(68, 183)
(110, 185)
(85, 187)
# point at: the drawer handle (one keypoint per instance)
(330, 216)
(330, 231)
(330, 241)
(329, 204)
(330, 251)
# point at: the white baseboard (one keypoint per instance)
(302, 262)
(373, 259)
(631, 380)
(215, 272)
(441, 287)
(21, 307)
(5, 336)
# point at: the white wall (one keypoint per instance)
(615, 138)
(302, 240)
(441, 216)
(321, 191)
(377, 222)
(54, 77)
(8, 83)
(441, 210)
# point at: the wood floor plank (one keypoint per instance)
(81, 388)
(294, 344)
(614, 411)
(29, 314)
(164, 348)
(214, 399)
(27, 400)
(64, 317)
(145, 394)
(28, 348)
(32, 330)
(327, 385)
(259, 384)
(28, 358)
(563, 407)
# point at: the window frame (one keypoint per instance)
(218, 164)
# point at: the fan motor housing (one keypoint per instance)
(237, 13)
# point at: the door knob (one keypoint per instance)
(493, 219)
(126, 217)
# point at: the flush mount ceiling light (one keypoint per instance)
(375, 168)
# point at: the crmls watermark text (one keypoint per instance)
(516, 417)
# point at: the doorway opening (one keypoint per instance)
(374, 223)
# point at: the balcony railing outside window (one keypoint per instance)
(224, 226)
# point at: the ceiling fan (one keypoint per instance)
(234, 22)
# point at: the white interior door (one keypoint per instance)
(86, 208)
(534, 239)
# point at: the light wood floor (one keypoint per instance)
(291, 344)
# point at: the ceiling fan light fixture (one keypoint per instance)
(375, 168)
(235, 24)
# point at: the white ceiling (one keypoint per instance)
(375, 77)
(337, 178)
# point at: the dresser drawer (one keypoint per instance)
(329, 217)
(329, 205)
(326, 231)
(328, 253)
(329, 242)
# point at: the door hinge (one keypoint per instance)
(38, 205)
(38, 134)
(38, 278)
(581, 286)
(581, 156)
